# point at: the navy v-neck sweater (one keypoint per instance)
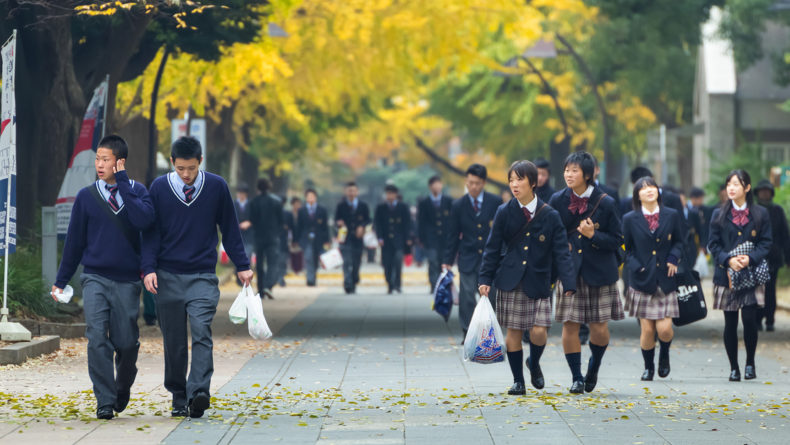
(96, 242)
(184, 239)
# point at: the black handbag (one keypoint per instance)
(691, 300)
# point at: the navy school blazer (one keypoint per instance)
(531, 260)
(468, 232)
(726, 236)
(647, 253)
(594, 259)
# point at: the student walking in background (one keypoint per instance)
(471, 219)
(735, 223)
(779, 253)
(266, 211)
(312, 233)
(433, 219)
(352, 217)
(654, 246)
(392, 223)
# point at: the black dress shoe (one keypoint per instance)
(749, 373)
(199, 405)
(104, 413)
(663, 366)
(517, 389)
(121, 400)
(735, 375)
(536, 376)
(647, 375)
(577, 387)
(591, 379)
(179, 412)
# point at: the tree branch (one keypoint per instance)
(436, 157)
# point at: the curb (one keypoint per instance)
(63, 330)
(19, 352)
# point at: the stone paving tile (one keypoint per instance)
(378, 369)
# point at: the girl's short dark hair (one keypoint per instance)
(585, 161)
(524, 169)
(645, 181)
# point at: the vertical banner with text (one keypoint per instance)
(8, 150)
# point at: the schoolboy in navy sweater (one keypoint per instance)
(104, 235)
(179, 261)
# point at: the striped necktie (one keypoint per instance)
(113, 189)
(189, 193)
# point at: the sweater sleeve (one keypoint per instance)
(229, 227)
(151, 240)
(138, 203)
(76, 240)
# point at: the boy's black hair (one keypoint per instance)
(696, 192)
(115, 143)
(434, 178)
(478, 170)
(524, 169)
(586, 162)
(311, 190)
(186, 147)
(295, 199)
(640, 172)
(351, 184)
(263, 185)
(390, 188)
(542, 163)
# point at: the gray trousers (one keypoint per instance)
(270, 255)
(352, 258)
(311, 258)
(181, 296)
(111, 310)
(434, 265)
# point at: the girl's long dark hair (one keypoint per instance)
(645, 181)
(726, 206)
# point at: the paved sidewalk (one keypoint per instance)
(384, 369)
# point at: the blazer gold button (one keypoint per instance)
(479, 251)
(523, 262)
(580, 251)
(480, 238)
(527, 233)
(525, 247)
(658, 240)
(654, 252)
(479, 226)
(580, 237)
(739, 233)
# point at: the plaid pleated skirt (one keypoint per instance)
(727, 300)
(656, 306)
(590, 304)
(514, 310)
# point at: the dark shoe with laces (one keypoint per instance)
(577, 387)
(536, 376)
(199, 405)
(104, 413)
(735, 375)
(663, 366)
(517, 389)
(591, 379)
(647, 375)
(749, 373)
(179, 412)
(121, 400)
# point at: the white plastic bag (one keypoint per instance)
(484, 342)
(64, 296)
(701, 265)
(256, 322)
(331, 259)
(238, 310)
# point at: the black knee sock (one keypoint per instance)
(749, 318)
(535, 352)
(515, 358)
(597, 356)
(649, 356)
(574, 360)
(731, 337)
(664, 351)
